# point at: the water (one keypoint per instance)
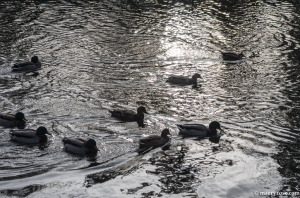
(98, 56)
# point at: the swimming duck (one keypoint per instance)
(130, 116)
(154, 141)
(199, 130)
(17, 120)
(31, 66)
(229, 56)
(80, 147)
(30, 136)
(184, 80)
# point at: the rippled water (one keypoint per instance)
(98, 56)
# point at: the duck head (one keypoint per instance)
(35, 59)
(20, 116)
(195, 76)
(141, 110)
(91, 144)
(215, 125)
(241, 55)
(42, 131)
(165, 133)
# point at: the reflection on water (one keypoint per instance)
(23, 192)
(98, 56)
(175, 175)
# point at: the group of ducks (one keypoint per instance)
(82, 147)
(89, 147)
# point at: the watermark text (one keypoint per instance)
(260, 193)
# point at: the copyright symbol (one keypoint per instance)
(256, 193)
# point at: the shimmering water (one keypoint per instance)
(98, 56)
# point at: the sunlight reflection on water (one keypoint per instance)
(97, 56)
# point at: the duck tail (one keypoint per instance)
(64, 140)
(112, 112)
(179, 126)
(11, 134)
(115, 113)
(16, 67)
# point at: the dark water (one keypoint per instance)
(97, 56)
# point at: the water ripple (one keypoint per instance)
(97, 56)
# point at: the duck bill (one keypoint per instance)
(222, 130)
(146, 112)
(96, 148)
(24, 119)
(200, 79)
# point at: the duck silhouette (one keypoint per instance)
(154, 141)
(29, 136)
(130, 116)
(199, 130)
(78, 146)
(230, 56)
(184, 80)
(26, 67)
(17, 120)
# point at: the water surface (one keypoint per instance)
(98, 56)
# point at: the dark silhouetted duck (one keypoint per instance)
(31, 66)
(11, 121)
(154, 141)
(229, 56)
(80, 147)
(184, 80)
(29, 136)
(130, 116)
(199, 130)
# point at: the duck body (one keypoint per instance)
(31, 66)
(194, 130)
(30, 136)
(199, 130)
(229, 56)
(130, 116)
(10, 121)
(154, 141)
(80, 147)
(184, 80)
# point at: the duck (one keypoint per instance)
(184, 80)
(11, 121)
(130, 116)
(78, 146)
(154, 141)
(30, 136)
(31, 66)
(199, 130)
(229, 56)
